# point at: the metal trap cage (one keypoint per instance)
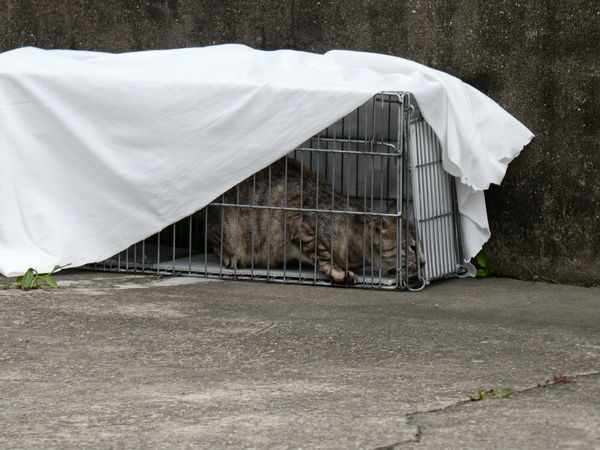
(364, 203)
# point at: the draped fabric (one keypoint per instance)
(100, 150)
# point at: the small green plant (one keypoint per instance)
(483, 394)
(484, 267)
(32, 279)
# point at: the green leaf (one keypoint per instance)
(57, 268)
(482, 259)
(27, 279)
(479, 395)
(503, 393)
(492, 269)
(49, 281)
(4, 286)
(483, 394)
(482, 273)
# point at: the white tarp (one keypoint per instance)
(99, 150)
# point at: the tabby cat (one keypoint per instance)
(338, 244)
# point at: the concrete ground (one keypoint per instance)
(119, 361)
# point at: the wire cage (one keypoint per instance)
(364, 203)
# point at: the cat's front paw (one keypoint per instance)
(351, 277)
(341, 277)
(230, 263)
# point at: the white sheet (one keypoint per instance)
(99, 150)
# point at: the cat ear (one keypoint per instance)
(388, 223)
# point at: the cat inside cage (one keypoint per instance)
(365, 203)
(289, 215)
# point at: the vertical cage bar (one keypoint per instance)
(235, 256)
(347, 218)
(206, 212)
(301, 220)
(173, 244)
(222, 210)
(158, 254)
(285, 215)
(269, 228)
(190, 223)
(365, 227)
(333, 217)
(254, 226)
(316, 238)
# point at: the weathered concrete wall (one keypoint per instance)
(539, 59)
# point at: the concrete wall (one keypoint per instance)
(538, 58)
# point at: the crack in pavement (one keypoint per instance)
(410, 417)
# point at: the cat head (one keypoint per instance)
(390, 252)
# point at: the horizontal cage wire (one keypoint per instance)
(364, 203)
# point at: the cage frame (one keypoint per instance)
(417, 152)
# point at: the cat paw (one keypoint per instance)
(228, 262)
(341, 277)
(351, 277)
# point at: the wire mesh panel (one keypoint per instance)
(436, 209)
(365, 203)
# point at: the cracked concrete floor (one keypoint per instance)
(553, 416)
(113, 361)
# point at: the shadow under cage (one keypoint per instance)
(364, 203)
